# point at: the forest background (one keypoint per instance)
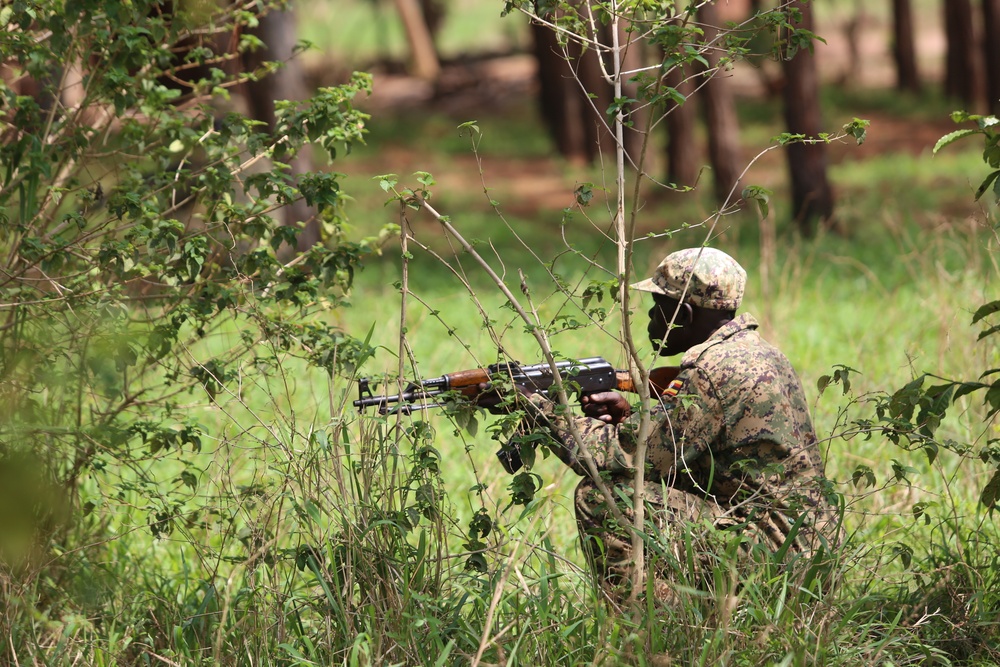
(186, 481)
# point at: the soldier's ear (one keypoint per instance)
(686, 314)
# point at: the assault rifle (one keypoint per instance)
(586, 376)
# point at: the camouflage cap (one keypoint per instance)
(704, 277)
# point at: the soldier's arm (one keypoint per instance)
(601, 440)
(687, 422)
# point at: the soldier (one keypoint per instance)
(732, 445)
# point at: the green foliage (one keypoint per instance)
(911, 416)
(138, 230)
(948, 562)
(989, 128)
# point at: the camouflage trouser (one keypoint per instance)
(686, 537)
(608, 546)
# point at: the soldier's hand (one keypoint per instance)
(609, 407)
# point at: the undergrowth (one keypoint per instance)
(184, 479)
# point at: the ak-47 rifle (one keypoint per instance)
(588, 376)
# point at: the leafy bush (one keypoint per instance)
(143, 272)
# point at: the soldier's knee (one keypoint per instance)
(588, 503)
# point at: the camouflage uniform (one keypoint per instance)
(732, 447)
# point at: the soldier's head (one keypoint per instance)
(697, 290)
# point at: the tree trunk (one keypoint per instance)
(574, 97)
(425, 59)
(434, 12)
(638, 116)
(560, 101)
(852, 32)
(720, 116)
(904, 49)
(962, 64)
(682, 151)
(812, 197)
(991, 53)
(277, 30)
(600, 139)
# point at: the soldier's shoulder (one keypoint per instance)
(741, 362)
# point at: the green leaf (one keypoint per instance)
(759, 195)
(471, 126)
(475, 562)
(967, 388)
(933, 405)
(952, 137)
(523, 487)
(985, 185)
(858, 128)
(843, 376)
(991, 152)
(991, 492)
(920, 511)
(903, 401)
(991, 330)
(986, 310)
(190, 480)
(312, 509)
(863, 476)
(480, 525)
(904, 552)
(931, 450)
(901, 472)
(993, 398)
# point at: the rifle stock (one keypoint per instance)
(659, 379)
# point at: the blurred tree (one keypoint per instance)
(812, 196)
(852, 27)
(904, 47)
(991, 53)
(682, 153)
(270, 71)
(278, 31)
(962, 63)
(425, 63)
(434, 12)
(716, 95)
(575, 96)
(562, 101)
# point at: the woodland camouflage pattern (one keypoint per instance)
(704, 277)
(733, 448)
